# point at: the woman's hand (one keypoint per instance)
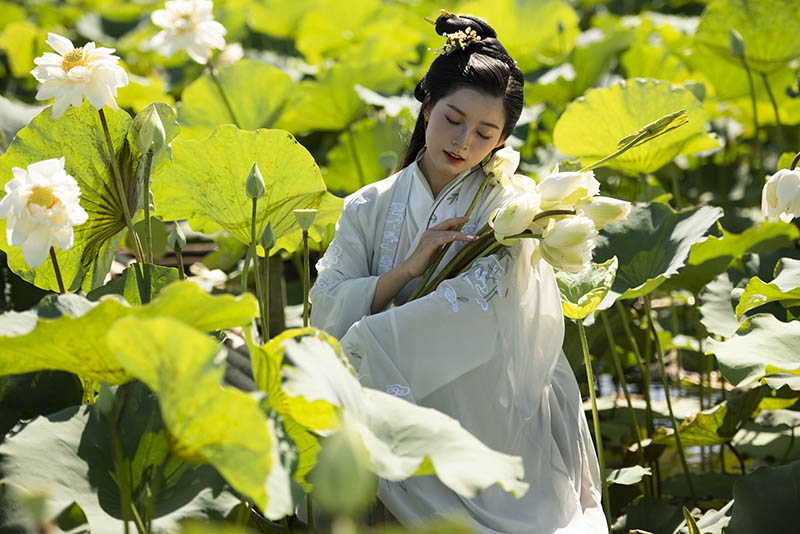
(431, 243)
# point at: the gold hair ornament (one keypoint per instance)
(458, 40)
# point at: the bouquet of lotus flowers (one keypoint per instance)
(562, 212)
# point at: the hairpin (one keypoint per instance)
(460, 39)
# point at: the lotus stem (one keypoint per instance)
(619, 152)
(306, 280)
(795, 161)
(660, 355)
(265, 296)
(623, 314)
(595, 419)
(57, 270)
(621, 374)
(215, 76)
(756, 143)
(254, 254)
(3, 140)
(179, 256)
(123, 197)
(352, 141)
(147, 160)
(432, 269)
(310, 513)
(774, 108)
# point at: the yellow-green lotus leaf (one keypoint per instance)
(593, 125)
(770, 29)
(68, 332)
(206, 422)
(582, 292)
(206, 182)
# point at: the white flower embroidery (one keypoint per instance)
(398, 390)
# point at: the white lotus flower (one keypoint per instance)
(502, 165)
(605, 210)
(41, 207)
(565, 189)
(780, 197)
(188, 25)
(514, 217)
(75, 72)
(567, 244)
(232, 53)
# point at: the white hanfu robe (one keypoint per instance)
(484, 348)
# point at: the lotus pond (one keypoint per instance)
(154, 372)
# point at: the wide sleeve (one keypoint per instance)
(414, 349)
(344, 288)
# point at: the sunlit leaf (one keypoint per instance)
(651, 244)
(67, 332)
(623, 109)
(716, 307)
(141, 91)
(257, 92)
(653, 61)
(403, 439)
(627, 476)
(762, 345)
(206, 182)
(22, 41)
(785, 288)
(207, 423)
(582, 292)
(78, 136)
(758, 23)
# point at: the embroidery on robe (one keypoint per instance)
(331, 258)
(357, 200)
(391, 236)
(398, 390)
(486, 278)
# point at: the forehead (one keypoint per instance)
(476, 105)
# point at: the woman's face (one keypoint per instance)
(463, 128)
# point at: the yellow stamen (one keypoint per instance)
(43, 196)
(73, 58)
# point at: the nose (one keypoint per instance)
(460, 139)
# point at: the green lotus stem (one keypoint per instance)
(619, 152)
(621, 374)
(795, 161)
(351, 138)
(265, 296)
(756, 144)
(623, 314)
(123, 198)
(306, 280)
(254, 254)
(440, 256)
(3, 140)
(57, 269)
(179, 256)
(147, 160)
(595, 418)
(738, 457)
(215, 76)
(464, 255)
(675, 329)
(660, 355)
(244, 512)
(157, 480)
(774, 107)
(310, 513)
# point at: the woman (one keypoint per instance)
(485, 347)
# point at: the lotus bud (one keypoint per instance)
(567, 244)
(176, 238)
(254, 186)
(605, 210)
(268, 238)
(780, 196)
(502, 165)
(566, 189)
(151, 134)
(516, 216)
(305, 218)
(343, 462)
(735, 44)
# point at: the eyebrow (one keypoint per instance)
(490, 124)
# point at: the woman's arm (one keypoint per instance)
(415, 265)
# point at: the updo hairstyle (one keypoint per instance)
(484, 66)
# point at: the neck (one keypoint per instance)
(436, 180)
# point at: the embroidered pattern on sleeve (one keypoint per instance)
(398, 390)
(391, 236)
(485, 278)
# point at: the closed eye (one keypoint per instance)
(484, 137)
(451, 121)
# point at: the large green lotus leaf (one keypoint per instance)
(717, 305)
(207, 423)
(67, 456)
(330, 102)
(402, 439)
(758, 23)
(22, 41)
(651, 244)
(582, 292)
(31, 394)
(278, 18)
(67, 332)
(77, 136)
(360, 156)
(785, 288)
(710, 258)
(206, 182)
(766, 500)
(650, 515)
(257, 92)
(321, 231)
(623, 109)
(142, 91)
(716, 425)
(654, 61)
(534, 33)
(762, 345)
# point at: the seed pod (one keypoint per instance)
(305, 218)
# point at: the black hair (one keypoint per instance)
(483, 65)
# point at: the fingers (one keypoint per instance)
(449, 224)
(442, 237)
